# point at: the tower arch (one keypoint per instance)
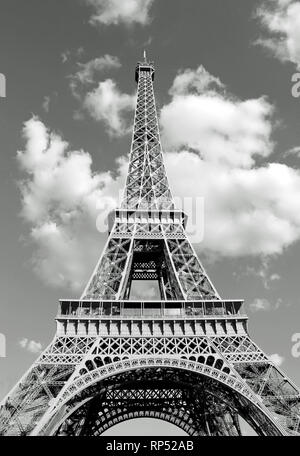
(166, 389)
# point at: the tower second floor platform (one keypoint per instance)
(151, 318)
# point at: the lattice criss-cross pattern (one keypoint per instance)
(150, 210)
(147, 184)
(200, 373)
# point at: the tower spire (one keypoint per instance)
(147, 184)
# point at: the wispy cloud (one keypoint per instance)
(68, 54)
(114, 12)
(65, 56)
(264, 305)
(280, 20)
(276, 359)
(87, 72)
(142, 290)
(294, 151)
(263, 272)
(46, 103)
(109, 105)
(104, 102)
(31, 346)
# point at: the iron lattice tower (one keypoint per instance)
(187, 358)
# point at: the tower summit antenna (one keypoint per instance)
(145, 56)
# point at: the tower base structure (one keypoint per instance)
(191, 363)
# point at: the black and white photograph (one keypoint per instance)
(150, 221)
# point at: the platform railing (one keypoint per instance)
(150, 309)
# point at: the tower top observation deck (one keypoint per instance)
(144, 66)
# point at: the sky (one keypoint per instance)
(229, 116)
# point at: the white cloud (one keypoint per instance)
(65, 56)
(87, 71)
(31, 346)
(104, 103)
(275, 277)
(262, 271)
(198, 80)
(107, 104)
(222, 129)
(46, 103)
(144, 290)
(249, 209)
(61, 200)
(120, 11)
(216, 138)
(281, 20)
(264, 305)
(260, 305)
(294, 151)
(276, 359)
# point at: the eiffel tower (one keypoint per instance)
(187, 359)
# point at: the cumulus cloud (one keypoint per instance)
(108, 104)
(61, 200)
(114, 12)
(276, 359)
(281, 21)
(223, 130)
(31, 346)
(88, 71)
(246, 211)
(249, 209)
(105, 102)
(214, 140)
(198, 80)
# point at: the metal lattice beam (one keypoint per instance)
(187, 358)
